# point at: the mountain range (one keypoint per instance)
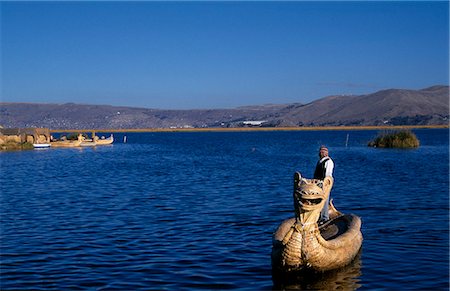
(429, 106)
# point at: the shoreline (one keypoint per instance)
(234, 129)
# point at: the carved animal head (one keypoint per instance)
(310, 196)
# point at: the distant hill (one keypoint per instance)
(393, 107)
(428, 106)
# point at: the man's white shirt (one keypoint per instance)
(329, 166)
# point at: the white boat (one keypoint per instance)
(41, 145)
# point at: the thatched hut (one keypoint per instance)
(22, 135)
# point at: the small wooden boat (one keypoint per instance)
(104, 141)
(300, 244)
(41, 145)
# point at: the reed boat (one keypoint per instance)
(66, 143)
(300, 243)
(88, 143)
(104, 141)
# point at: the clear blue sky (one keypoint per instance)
(185, 55)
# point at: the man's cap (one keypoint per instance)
(324, 149)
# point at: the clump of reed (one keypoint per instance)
(395, 139)
(13, 146)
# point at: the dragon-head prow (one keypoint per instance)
(309, 197)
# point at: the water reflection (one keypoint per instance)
(346, 278)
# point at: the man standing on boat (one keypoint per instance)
(324, 168)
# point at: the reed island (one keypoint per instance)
(395, 139)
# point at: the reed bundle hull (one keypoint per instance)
(299, 243)
(65, 144)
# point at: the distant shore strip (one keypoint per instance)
(233, 129)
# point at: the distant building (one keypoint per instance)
(254, 122)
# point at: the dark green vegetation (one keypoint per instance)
(395, 139)
(14, 146)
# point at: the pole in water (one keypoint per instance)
(124, 139)
(346, 141)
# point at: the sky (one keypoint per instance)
(209, 55)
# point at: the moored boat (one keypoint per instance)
(66, 143)
(88, 143)
(104, 141)
(300, 243)
(41, 145)
(82, 141)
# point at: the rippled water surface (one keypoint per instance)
(171, 211)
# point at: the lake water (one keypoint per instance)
(189, 211)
